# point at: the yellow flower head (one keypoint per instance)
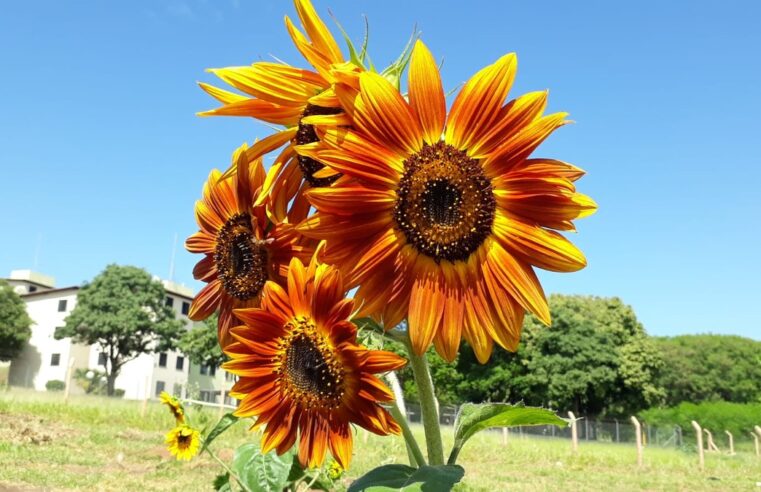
(174, 406)
(335, 470)
(183, 442)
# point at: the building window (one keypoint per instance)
(55, 360)
(62, 306)
(212, 371)
(209, 396)
(162, 359)
(102, 359)
(177, 390)
(32, 288)
(180, 363)
(204, 369)
(159, 387)
(229, 377)
(169, 301)
(185, 307)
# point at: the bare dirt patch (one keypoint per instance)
(19, 428)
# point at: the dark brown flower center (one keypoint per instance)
(305, 135)
(445, 204)
(310, 372)
(240, 258)
(183, 441)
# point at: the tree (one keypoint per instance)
(124, 311)
(710, 367)
(15, 324)
(595, 359)
(201, 344)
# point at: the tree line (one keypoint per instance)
(596, 359)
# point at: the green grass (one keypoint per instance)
(97, 443)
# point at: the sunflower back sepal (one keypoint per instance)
(224, 423)
(473, 418)
(404, 478)
(262, 472)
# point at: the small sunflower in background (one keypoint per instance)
(174, 406)
(442, 218)
(184, 442)
(302, 373)
(243, 248)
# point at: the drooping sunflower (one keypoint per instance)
(243, 248)
(174, 406)
(302, 372)
(284, 95)
(183, 442)
(440, 218)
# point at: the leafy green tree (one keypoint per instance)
(710, 367)
(15, 324)
(595, 359)
(123, 310)
(201, 345)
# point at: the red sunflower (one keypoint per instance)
(242, 247)
(441, 219)
(302, 373)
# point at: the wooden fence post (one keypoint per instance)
(574, 433)
(711, 445)
(504, 436)
(699, 436)
(731, 442)
(67, 388)
(638, 430)
(757, 429)
(755, 439)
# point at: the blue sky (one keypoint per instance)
(102, 158)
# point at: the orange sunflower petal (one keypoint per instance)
(477, 106)
(427, 93)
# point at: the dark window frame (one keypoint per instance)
(62, 304)
(180, 363)
(55, 360)
(163, 359)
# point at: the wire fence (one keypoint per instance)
(589, 429)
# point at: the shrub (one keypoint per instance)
(55, 385)
(118, 393)
(716, 416)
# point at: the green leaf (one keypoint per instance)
(405, 478)
(224, 423)
(477, 417)
(261, 472)
(222, 483)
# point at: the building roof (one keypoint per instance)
(49, 291)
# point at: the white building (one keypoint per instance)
(46, 359)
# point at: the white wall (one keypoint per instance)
(33, 367)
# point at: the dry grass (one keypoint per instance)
(100, 444)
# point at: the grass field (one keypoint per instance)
(95, 443)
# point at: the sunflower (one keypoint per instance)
(440, 218)
(183, 442)
(174, 406)
(285, 95)
(242, 248)
(302, 371)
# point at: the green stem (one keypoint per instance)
(428, 408)
(413, 449)
(227, 468)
